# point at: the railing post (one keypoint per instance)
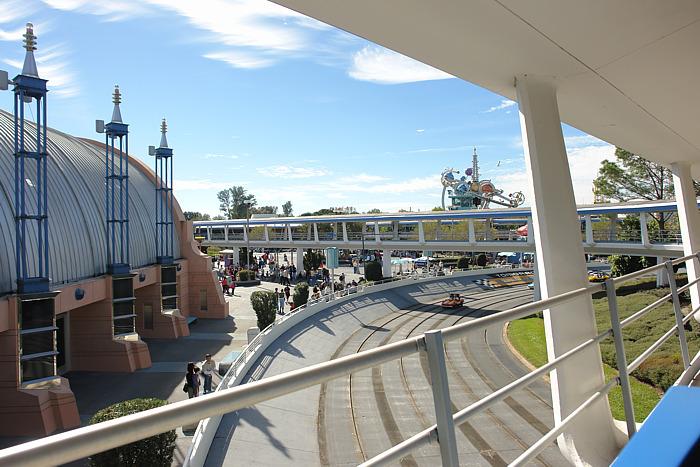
(621, 358)
(441, 398)
(678, 313)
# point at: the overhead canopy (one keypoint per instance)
(626, 70)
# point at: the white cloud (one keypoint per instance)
(362, 178)
(584, 163)
(285, 171)
(583, 141)
(12, 10)
(383, 66)
(51, 63)
(181, 185)
(114, 10)
(430, 183)
(225, 156)
(505, 103)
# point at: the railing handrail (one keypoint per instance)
(89, 440)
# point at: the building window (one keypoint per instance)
(37, 339)
(148, 316)
(203, 300)
(123, 305)
(168, 287)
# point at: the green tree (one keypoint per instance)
(196, 216)
(156, 451)
(374, 211)
(631, 177)
(313, 259)
(463, 263)
(264, 210)
(438, 208)
(265, 305)
(232, 202)
(481, 260)
(287, 209)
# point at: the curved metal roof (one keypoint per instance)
(76, 204)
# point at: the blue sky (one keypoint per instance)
(259, 96)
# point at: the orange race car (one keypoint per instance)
(453, 302)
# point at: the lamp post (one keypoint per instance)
(247, 232)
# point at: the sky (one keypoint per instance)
(258, 96)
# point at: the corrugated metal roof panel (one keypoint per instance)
(76, 191)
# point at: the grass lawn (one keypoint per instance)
(527, 336)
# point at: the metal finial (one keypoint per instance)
(29, 38)
(163, 138)
(117, 96)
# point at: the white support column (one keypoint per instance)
(530, 234)
(386, 263)
(236, 255)
(267, 233)
(226, 227)
(589, 230)
(661, 276)
(288, 229)
(562, 268)
(345, 232)
(438, 230)
(472, 232)
(421, 232)
(395, 230)
(689, 221)
(645, 231)
(377, 235)
(300, 260)
(315, 232)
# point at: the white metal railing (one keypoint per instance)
(89, 440)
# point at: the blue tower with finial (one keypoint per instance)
(31, 210)
(117, 190)
(164, 221)
(35, 302)
(164, 198)
(117, 214)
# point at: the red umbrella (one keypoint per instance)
(522, 230)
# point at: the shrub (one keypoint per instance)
(157, 450)
(246, 275)
(301, 294)
(213, 250)
(373, 271)
(463, 263)
(481, 260)
(621, 265)
(265, 306)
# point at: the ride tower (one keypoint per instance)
(35, 304)
(117, 215)
(469, 192)
(164, 223)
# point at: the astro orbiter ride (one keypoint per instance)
(468, 192)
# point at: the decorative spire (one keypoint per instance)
(116, 113)
(163, 139)
(29, 68)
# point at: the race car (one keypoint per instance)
(598, 276)
(453, 302)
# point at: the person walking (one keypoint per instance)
(208, 369)
(224, 285)
(280, 301)
(287, 293)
